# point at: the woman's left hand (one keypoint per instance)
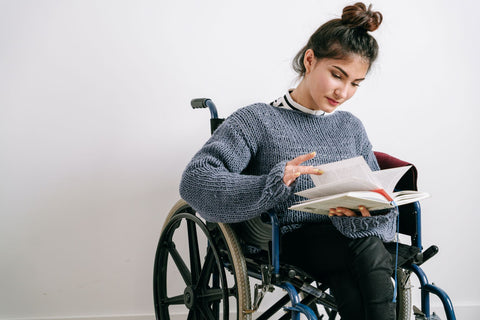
(342, 212)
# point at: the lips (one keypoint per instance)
(333, 102)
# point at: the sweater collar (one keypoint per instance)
(287, 102)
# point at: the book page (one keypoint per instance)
(388, 178)
(351, 200)
(345, 169)
(338, 186)
(407, 196)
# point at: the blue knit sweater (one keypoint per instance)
(238, 174)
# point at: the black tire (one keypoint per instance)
(209, 292)
(404, 295)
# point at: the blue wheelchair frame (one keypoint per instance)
(297, 308)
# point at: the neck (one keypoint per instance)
(300, 96)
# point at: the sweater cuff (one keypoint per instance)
(383, 226)
(275, 188)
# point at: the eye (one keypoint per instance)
(356, 84)
(336, 75)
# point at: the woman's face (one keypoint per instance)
(329, 82)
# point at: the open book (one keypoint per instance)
(351, 183)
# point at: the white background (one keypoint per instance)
(96, 128)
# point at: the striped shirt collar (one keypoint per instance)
(287, 102)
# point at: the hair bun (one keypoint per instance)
(359, 16)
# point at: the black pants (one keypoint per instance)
(358, 271)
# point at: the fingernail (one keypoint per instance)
(313, 153)
(297, 174)
(319, 171)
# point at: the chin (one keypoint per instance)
(328, 109)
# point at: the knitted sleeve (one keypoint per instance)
(213, 182)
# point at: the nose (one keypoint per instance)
(341, 93)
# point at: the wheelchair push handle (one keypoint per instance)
(201, 103)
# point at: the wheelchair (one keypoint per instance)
(203, 270)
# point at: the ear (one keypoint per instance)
(309, 60)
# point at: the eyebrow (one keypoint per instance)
(346, 74)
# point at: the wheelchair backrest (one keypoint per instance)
(409, 213)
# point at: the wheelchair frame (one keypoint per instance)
(224, 252)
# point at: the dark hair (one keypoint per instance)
(339, 38)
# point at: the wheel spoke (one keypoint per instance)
(207, 269)
(206, 312)
(212, 295)
(194, 251)
(192, 315)
(174, 300)
(182, 267)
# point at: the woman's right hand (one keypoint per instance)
(294, 168)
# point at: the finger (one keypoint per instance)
(346, 212)
(339, 212)
(332, 212)
(293, 169)
(364, 211)
(293, 172)
(306, 170)
(301, 159)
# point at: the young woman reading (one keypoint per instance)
(263, 153)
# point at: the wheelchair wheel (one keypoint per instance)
(206, 291)
(404, 295)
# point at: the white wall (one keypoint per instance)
(96, 128)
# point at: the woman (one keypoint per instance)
(262, 154)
